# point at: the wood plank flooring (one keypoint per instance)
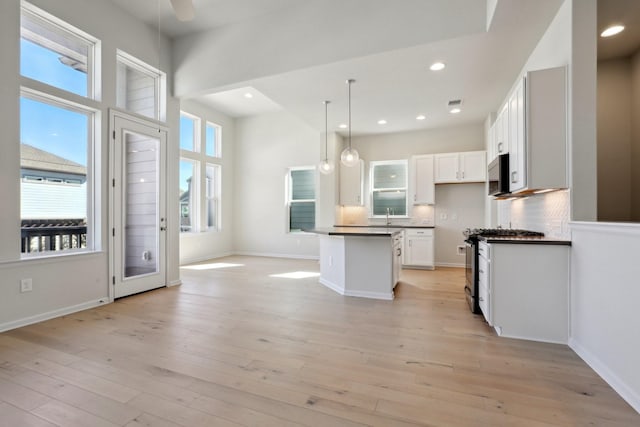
(235, 345)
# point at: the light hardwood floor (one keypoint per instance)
(235, 345)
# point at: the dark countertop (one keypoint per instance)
(525, 240)
(387, 226)
(355, 231)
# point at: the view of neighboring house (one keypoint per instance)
(54, 201)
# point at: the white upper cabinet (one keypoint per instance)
(470, 166)
(422, 183)
(351, 184)
(538, 131)
(499, 143)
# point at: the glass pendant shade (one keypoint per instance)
(350, 157)
(325, 167)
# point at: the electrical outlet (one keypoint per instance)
(26, 285)
(461, 250)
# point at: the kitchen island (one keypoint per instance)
(360, 262)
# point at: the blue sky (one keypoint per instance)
(56, 130)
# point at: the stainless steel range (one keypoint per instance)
(471, 265)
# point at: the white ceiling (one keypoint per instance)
(395, 85)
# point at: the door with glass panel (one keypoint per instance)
(138, 214)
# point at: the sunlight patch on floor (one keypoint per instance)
(297, 275)
(211, 266)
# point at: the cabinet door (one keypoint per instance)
(351, 182)
(502, 131)
(517, 148)
(422, 180)
(419, 247)
(473, 166)
(446, 168)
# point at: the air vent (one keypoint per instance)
(454, 103)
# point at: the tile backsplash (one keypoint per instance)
(359, 215)
(548, 213)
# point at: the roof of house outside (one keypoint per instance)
(35, 158)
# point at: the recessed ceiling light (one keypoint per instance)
(248, 95)
(612, 30)
(455, 110)
(382, 122)
(421, 117)
(342, 126)
(437, 66)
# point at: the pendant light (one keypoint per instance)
(350, 156)
(325, 166)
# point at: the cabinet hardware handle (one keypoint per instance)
(481, 299)
(514, 176)
(457, 175)
(415, 197)
(500, 144)
(462, 174)
(481, 271)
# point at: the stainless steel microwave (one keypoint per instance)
(498, 175)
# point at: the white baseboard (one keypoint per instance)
(276, 255)
(174, 283)
(332, 286)
(194, 260)
(627, 393)
(373, 295)
(52, 314)
(449, 264)
(361, 294)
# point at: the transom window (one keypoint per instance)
(388, 182)
(301, 198)
(140, 87)
(53, 52)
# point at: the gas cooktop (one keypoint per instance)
(500, 232)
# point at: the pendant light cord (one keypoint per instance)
(349, 82)
(326, 130)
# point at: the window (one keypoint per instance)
(212, 195)
(58, 135)
(57, 54)
(212, 140)
(140, 87)
(389, 188)
(301, 198)
(200, 175)
(188, 189)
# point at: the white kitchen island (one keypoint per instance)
(360, 262)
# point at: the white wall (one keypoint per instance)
(71, 282)
(265, 147)
(604, 299)
(466, 201)
(206, 245)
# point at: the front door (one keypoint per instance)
(138, 214)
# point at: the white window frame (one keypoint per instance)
(159, 78)
(217, 196)
(94, 65)
(89, 105)
(289, 197)
(372, 166)
(217, 146)
(201, 160)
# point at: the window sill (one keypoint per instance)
(51, 257)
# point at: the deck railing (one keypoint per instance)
(40, 235)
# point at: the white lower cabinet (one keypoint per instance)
(419, 248)
(525, 288)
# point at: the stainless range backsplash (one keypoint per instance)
(548, 213)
